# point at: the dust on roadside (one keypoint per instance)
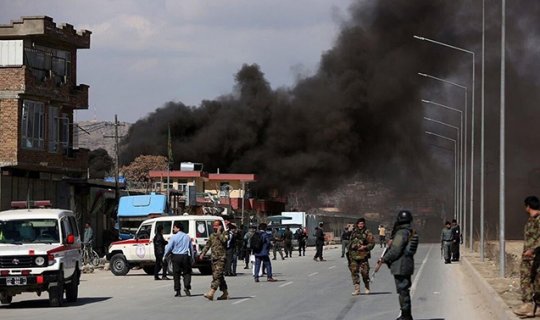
(507, 287)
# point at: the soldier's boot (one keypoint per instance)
(224, 296)
(525, 309)
(356, 290)
(210, 294)
(367, 289)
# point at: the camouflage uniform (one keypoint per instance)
(531, 241)
(359, 259)
(217, 243)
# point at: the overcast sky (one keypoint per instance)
(145, 53)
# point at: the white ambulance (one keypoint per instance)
(139, 252)
(40, 251)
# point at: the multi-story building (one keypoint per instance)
(191, 189)
(38, 96)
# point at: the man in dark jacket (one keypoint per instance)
(263, 256)
(159, 250)
(319, 242)
(401, 261)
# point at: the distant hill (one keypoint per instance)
(92, 135)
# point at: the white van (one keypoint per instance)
(126, 254)
(40, 251)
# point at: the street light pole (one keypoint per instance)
(471, 197)
(460, 147)
(463, 178)
(460, 217)
(502, 244)
(455, 154)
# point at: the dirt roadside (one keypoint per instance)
(508, 287)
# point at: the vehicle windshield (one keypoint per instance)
(29, 231)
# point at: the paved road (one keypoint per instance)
(306, 290)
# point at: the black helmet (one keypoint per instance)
(404, 216)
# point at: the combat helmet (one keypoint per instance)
(404, 216)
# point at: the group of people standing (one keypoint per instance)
(360, 241)
(451, 239)
(399, 256)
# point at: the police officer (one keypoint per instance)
(400, 259)
(447, 239)
(361, 242)
(457, 240)
(319, 242)
(182, 253)
(159, 251)
(217, 243)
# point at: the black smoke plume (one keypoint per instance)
(361, 112)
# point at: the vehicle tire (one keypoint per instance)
(205, 270)
(5, 298)
(56, 293)
(72, 288)
(170, 269)
(149, 269)
(119, 265)
(95, 260)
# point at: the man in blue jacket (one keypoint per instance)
(264, 255)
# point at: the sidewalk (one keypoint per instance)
(501, 294)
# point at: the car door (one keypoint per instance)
(138, 249)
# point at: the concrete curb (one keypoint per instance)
(496, 303)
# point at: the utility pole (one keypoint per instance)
(117, 162)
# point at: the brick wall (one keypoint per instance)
(9, 119)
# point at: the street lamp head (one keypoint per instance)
(419, 38)
(422, 74)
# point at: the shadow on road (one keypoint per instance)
(44, 303)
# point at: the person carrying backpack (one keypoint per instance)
(260, 244)
(400, 259)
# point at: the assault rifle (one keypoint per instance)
(380, 261)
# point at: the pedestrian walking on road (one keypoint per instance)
(277, 243)
(247, 247)
(319, 242)
(159, 252)
(457, 240)
(287, 242)
(360, 245)
(382, 236)
(531, 240)
(182, 253)
(345, 236)
(301, 236)
(231, 257)
(262, 256)
(447, 238)
(400, 258)
(217, 243)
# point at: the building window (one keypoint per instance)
(58, 130)
(47, 63)
(32, 129)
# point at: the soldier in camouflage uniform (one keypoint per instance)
(360, 244)
(217, 243)
(531, 241)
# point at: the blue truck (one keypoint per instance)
(132, 210)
